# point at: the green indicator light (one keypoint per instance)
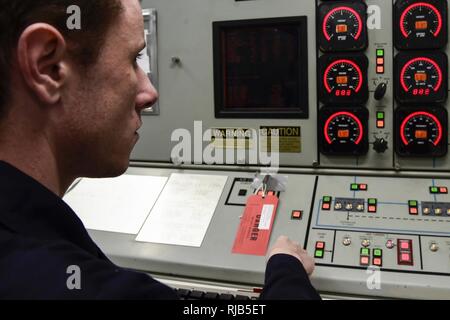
(354, 186)
(377, 252)
(380, 53)
(434, 190)
(380, 115)
(412, 203)
(318, 254)
(326, 199)
(365, 252)
(373, 201)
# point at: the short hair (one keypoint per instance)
(84, 45)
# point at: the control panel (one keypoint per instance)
(356, 91)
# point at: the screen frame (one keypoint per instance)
(300, 112)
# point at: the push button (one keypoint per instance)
(404, 245)
(320, 245)
(377, 262)
(297, 215)
(364, 261)
(405, 258)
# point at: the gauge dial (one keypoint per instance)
(421, 128)
(420, 24)
(342, 26)
(344, 79)
(344, 131)
(421, 132)
(341, 23)
(421, 20)
(343, 128)
(421, 78)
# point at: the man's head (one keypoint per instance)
(83, 88)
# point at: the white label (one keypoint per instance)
(266, 217)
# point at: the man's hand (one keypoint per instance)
(286, 246)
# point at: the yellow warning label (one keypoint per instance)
(289, 139)
(233, 138)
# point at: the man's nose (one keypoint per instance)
(147, 94)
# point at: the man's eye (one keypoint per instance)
(139, 56)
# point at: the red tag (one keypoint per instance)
(256, 226)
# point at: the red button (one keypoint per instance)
(380, 61)
(405, 259)
(364, 261)
(413, 211)
(326, 206)
(296, 215)
(320, 245)
(380, 124)
(363, 187)
(405, 245)
(380, 69)
(377, 262)
(443, 190)
(372, 209)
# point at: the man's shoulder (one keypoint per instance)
(39, 269)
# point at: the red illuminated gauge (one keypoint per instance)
(422, 24)
(422, 78)
(344, 131)
(342, 22)
(422, 132)
(420, 20)
(343, 128)
(344, 79)
(421, 128)
(342, 26)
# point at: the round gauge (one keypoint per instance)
(341, 23)
(343, 128)
(341, 26)
(343, 78)
(420, 24)
(420, 20)
(421, 128)
(421, 76)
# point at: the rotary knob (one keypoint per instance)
(380, 145)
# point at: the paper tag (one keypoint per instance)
(266, 217)
(256, 226)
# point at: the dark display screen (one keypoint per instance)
(261, 68)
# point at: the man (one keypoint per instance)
(70, 105)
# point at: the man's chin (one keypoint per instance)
(111, 169)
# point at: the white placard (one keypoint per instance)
(118, 204)
(184, 210)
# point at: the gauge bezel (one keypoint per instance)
(359, 114)
(329, 45)
(404, 149)
(360, 95)
(414, 43)
(402, 60)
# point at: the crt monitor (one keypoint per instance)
(261, 68)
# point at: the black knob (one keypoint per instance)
(380, 91)
(380, 145)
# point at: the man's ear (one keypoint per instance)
(40, 52)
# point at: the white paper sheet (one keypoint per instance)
(184, 210)
(117, 205)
